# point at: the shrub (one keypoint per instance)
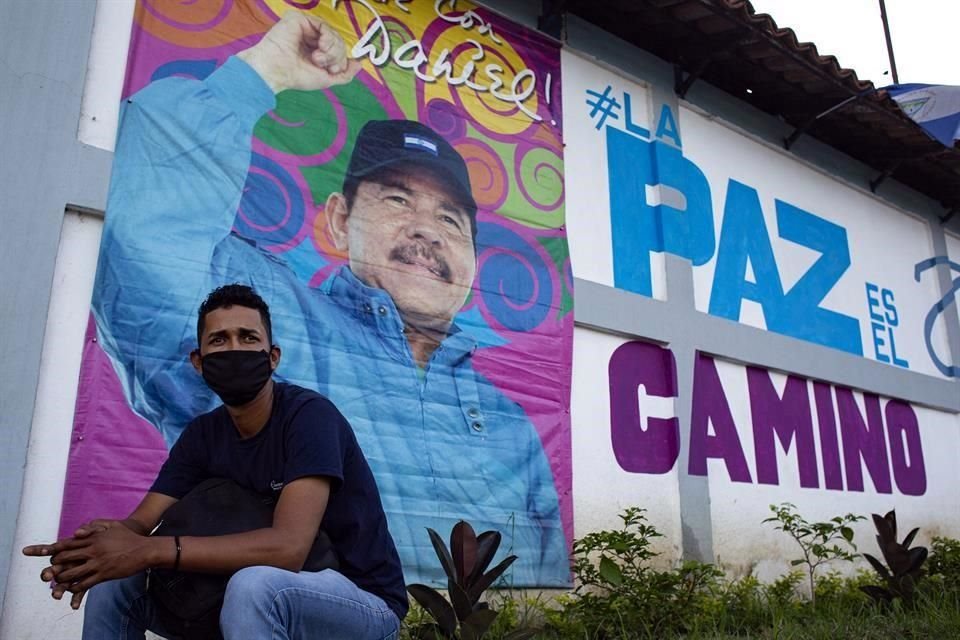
(783, 592)
(844, 591)
(465, 615)
(904, 566)
(620, 596)
(944, 561)
(820, 542)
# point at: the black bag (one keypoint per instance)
(188, 604)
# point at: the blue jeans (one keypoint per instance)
(261, 603)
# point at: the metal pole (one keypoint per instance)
(886, 32)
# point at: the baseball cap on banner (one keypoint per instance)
(384, 144)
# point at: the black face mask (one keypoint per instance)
(236, 376)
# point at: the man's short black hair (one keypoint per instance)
(233, 295)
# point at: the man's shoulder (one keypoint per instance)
(312, 416)
(294, 393)
(293, 398)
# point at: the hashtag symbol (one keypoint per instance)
(604, 106)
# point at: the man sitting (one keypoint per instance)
(279, 440)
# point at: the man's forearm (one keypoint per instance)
(225, 554)
(285, 544)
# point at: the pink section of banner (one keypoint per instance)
(115, 454)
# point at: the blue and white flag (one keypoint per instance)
(934, 107)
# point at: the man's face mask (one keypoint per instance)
(236, 376)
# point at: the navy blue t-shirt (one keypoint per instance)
(305, 436)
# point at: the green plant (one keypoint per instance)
(735, 606)
(944, 561)
(622, 553)
(782, 593)
(620, 596)
(630, 600)
(465, 563)
(820, 542)
(842, 591)
(904, 565)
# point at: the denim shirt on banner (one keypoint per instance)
(443, 444)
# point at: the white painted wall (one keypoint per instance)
(885, 242)
(953, 252)
(585, 167)
(601, 489)
(744, 544)
(953, 247)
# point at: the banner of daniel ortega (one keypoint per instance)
(223, 175)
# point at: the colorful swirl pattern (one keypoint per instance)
(489, 180)
(201, 23)
(515, 282)
(198, 69)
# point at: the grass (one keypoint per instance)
(935, 616)
(841, 613)
(621, 596)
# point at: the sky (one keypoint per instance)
(922, 32)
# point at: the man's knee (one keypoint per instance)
(251, 598)
(250, 585)
(263, 589)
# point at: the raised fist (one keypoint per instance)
(301, 52)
